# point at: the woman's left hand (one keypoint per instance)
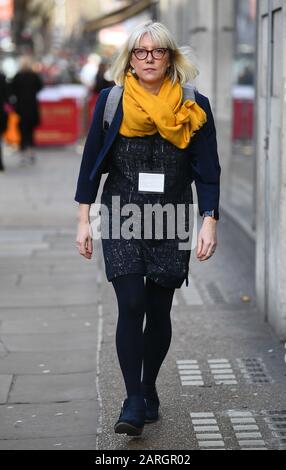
(207, 240)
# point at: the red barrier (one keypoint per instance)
(242, 119)
(62, 122)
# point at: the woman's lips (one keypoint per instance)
(149, 70)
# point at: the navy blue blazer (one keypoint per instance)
(205, 169)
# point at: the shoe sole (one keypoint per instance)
(149, 421)
(127, 428)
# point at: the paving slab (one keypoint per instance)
(49, 342)
(37, 362)
(54, 443)
(84, 324)
(49, 420)
(50, 387)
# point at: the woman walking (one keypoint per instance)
(156, 145)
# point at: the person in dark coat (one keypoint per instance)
(3, 113)
(25, 86)
(102, 79)
(154, 148)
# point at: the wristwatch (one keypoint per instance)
(209, 214)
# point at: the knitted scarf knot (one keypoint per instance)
(146, 114)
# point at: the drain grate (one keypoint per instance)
(276, 422)
(233, 429)
(229, 430)
(222, 371)
(190, 373)
(254, 370)
(240, 429)
(246, 430)
(207, 431)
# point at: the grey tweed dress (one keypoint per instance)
(157, 258)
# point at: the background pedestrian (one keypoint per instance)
(24, 87)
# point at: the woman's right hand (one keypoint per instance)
(84, 239)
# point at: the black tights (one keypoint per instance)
(135, 347)
(27, 136)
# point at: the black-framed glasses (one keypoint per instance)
(142, 54)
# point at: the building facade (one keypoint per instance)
(271, 163)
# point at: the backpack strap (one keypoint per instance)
(189, 92)
(115, 94)
(111, 105)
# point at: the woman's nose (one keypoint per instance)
(149, 57)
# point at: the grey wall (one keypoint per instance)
(271, 164)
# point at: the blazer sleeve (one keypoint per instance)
(205, 166)
(86, 190)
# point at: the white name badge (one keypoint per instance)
(151, 182)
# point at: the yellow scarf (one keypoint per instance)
(146, 114)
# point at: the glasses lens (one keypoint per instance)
(140, 53)
(158, 53)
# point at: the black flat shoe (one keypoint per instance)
(152, 403)
(132, 416)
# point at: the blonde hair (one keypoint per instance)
(182, 67)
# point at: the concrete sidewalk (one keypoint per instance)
(222, 384)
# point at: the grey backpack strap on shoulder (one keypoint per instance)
(189, 92)
(111, 105)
